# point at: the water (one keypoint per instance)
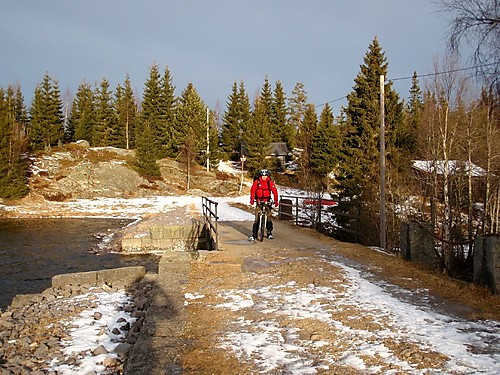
(32, 251)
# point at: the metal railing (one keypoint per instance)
(209, 209)
(320, 214)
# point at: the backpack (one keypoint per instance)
(263, 189)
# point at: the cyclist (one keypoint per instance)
(261, 191)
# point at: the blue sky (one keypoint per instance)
(213, 43)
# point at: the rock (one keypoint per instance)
(110, 362)
(23, 299)
(82, 143)
(140, 303)
(41, 351)
(99, 350)
(31, 335)
(122, 350)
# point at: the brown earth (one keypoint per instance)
(296, 256)
(296, 261)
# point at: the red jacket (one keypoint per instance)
(261, 191)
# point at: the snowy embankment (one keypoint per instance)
(465, 347)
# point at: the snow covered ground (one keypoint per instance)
(88, 333)
(472, 347)
(465, 347)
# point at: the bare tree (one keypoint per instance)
(489, 127)
(188, 156)
(477, 23)
(443, 142)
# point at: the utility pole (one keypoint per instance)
(382, 164)
(242, 160)
(208, 140)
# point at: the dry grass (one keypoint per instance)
(480, 303)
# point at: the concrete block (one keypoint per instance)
(78, 278)
(117, 277)
(121, 277)
(486, 271)
(417, 244)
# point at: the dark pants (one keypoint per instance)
(269, 223)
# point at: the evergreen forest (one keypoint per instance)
(445, 121)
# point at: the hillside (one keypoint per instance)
(79, 172)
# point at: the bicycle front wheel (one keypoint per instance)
(262, 226)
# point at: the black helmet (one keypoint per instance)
(264, 172)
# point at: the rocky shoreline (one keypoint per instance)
(34, 328)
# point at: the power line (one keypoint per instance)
(444, 72)
(419, 76)
(332, 101)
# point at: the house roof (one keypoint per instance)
(278, 149)
(454, 166)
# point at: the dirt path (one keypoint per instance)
(304, 303)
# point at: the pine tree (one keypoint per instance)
(20, 112)
(305, 134)
(257, 138)
(266, 99)
(146, 155)
(359, 180)
(325, 147)
(230, 134)
(414, 117)
(126, 112)
(167, 115)
(235, 121)
(82, 115)
(280, 129)
(361, 149)
(152, 111)
(106, 131)
(297, 104)
(245, 115)
(46, 124)
(13, 168)
(191, 119)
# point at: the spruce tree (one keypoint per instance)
(361, 147)
(191, 119)
(235, 121)
(325, 147)
(280, 129)
(152, 111)
(305, 134)
(13, 168)
(266, 99)
(230, 134)
(106, 131)
(82, 115)
(20, 112)
(46, 119)
(257, 138)
(145, 154)
(166, 130)
(414, 117)
(245, 115)
(359, 179)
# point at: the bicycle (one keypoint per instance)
(262, 218)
